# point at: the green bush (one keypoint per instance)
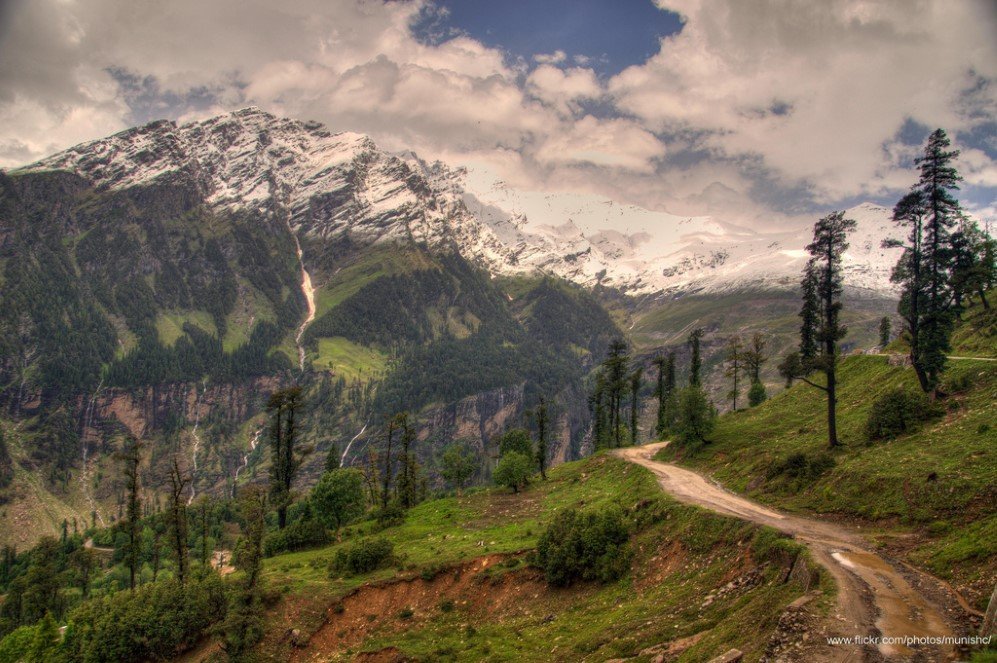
(389, 516)
(513, 471)
(157, 621)
(584, 546)
(897, 412)
(363, 556)
(302, 534)
(756, 394)
(801, 467)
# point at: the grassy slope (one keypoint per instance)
(681, 555)
(349, 360)
(935, 488)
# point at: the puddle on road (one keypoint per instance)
(902, 611)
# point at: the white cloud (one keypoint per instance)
(812, 96)
(615, 143)
(816, 89)
(563, 89)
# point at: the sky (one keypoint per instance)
(765, 113)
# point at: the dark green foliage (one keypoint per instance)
(696, 362)
(543, 433)
(613, 384)
(664, 392)
(695, 419)
(584, 546)
(6, 465)
(364, 556)
(516, 440)
(458, 464)
(801, 468)
(821, 312)
(936, 267)
(391, 515)
(884, 332)
(305, 533)
(76, 258)
(39, 590)
(513, 471)
(897, 412)
(338, 498)
(286, 455)
(243, 626)
(56, 444)
(756, 394)
(155, 622)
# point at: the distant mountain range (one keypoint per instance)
(340, 184)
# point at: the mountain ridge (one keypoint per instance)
(329, 184)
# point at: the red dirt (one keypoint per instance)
(377, 606)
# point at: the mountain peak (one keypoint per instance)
(327, 184)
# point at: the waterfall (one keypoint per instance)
(197, 442)
(309, 292)
(255, 440)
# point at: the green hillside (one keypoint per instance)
(928, 494)
(505, 611)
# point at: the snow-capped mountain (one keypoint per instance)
(329, 184)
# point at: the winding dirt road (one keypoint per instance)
(874, 597)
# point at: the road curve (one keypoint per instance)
(874, 597)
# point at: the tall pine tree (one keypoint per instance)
(824, 267)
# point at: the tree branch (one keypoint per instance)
(813, 384)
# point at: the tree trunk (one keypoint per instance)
(832, 402)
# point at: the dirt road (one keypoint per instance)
(874, 597)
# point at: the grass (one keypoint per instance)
(347, 281)
(681, 555)
(169, 324)
(937, 484)
(352, 361)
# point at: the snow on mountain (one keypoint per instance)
(328, 184)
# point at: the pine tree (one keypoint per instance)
(542, 435)
(938, 179)
(387, 476)
(734, 360)
(617, 366)
(332, 460)
(178, 518)
(408, 476)
(910, 273)
(243, 626)
(696, 362)
(973, 266)
(811, 318)
(829, 243)
(130, 458)
(663, 390)
(285, 455)
(884, 332)
(635, 383)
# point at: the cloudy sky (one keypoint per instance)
(764, 112)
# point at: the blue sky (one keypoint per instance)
(609, 36)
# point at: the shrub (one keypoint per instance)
(157, 621)
(302, 534)
(446, 605)
(897, 412)
(756, 394)
(513, 471)
(518, 440)
(800, 467)
(389, 516)
(583, 546)
(338, 497)
(363, 556)
(696, 417)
